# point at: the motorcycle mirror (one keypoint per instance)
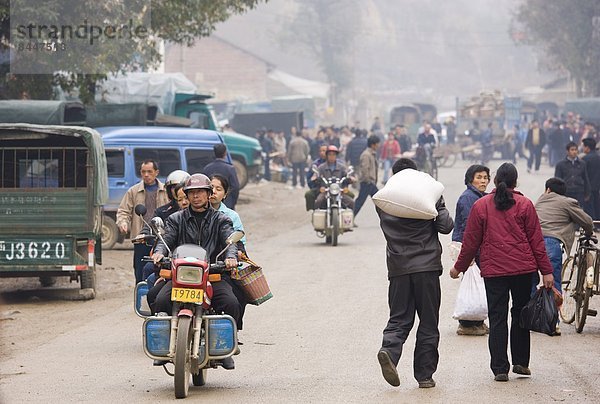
(235, 237)
(158, 223)
(232, 239)
(140, 210)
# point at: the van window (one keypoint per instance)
(168, 160)
(115, 161)
(198, 159)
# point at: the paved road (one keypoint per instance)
(315, 341)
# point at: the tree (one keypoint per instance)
(328, 28)
(80, 67)
(567, 33)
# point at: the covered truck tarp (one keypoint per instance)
(42, 112)
(147, 88)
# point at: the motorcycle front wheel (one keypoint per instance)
(182, 357)
(335, 226)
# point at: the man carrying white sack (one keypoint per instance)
(414, 266)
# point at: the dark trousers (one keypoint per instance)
(366, 189)
(535, 154)
(298, 170)
(592, 207)
(409, 294)
(139, 251)
(497, 290)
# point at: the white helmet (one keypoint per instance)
(177, 177)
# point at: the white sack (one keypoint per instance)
(471, 301)
(410, 194)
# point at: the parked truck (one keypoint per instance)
(53, 185)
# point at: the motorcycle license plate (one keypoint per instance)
(187, 295)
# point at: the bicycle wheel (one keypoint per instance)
(568, 283)
(583, 293)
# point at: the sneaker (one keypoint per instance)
(299, 187)
(521, 370)
(475, 330)
(557, 331)
(390, 374)
(427, 383)
(158, 362)
(501, 377)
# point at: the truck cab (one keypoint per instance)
(245, 150)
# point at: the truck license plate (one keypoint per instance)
(187, 295)
(34, 250)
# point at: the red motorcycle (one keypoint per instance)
(193, 338)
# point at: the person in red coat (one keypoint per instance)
(504, 227)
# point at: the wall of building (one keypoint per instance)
(216, 66)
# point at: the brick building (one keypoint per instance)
(218, 66)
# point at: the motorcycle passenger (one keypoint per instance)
(332, 167)
(174, 180)
(220, 189)
(202, 225)
(312, 181)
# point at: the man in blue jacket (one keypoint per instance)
(222, 167)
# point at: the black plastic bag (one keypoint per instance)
(540, 313)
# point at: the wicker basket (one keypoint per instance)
(253, 281)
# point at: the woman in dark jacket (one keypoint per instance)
(503, 226)
(477, 179)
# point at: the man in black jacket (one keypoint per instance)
(574, 172)
(222, 167)
(414, 266)
(199, 224)
(592, 162)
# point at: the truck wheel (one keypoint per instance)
(242, 172)
(88, 279)
(110, 232)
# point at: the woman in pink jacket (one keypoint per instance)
(504, 227)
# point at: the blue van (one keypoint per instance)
(126, 147)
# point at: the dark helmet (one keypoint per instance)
(176, 178)
(198, 181)
(332, 148)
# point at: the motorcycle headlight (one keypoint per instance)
(334, 189)
(189, 275)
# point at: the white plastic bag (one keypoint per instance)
(410, 194)
(471, 301)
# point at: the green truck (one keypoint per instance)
(53, 182)
(245, 151)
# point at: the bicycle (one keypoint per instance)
(580, 281)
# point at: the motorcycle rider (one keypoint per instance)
(202, 225)
(332, 167)
(311, 179)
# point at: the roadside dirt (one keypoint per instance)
(30, 314)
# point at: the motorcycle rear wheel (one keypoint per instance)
(182, 357)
